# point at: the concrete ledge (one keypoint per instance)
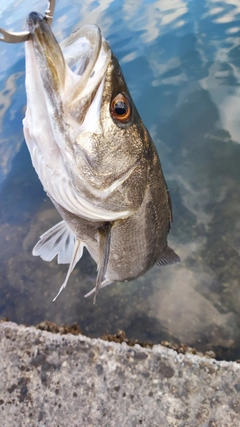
(55, 380)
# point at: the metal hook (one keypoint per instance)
(8, 37)
(50, 11)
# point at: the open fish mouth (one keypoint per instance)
(63, 127)
(73, 70)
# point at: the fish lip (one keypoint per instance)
(41, 32)
(47, 51)
(34, 21)
(50, 56)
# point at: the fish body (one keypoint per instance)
(94, 157)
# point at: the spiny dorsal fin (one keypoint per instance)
(168, 257)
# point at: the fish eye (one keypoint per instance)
(121, 109)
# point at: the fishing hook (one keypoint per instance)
(9, 37)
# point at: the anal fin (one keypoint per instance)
(167, 257)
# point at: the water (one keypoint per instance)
(181, 62)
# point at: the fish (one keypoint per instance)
(94, 157)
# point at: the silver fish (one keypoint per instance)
(94, 157)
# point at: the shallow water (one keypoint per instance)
(181, 62)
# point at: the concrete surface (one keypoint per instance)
(55, 380)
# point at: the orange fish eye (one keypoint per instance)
(121, 109)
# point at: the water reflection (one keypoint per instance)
(182, 66)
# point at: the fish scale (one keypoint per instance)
(95, 158)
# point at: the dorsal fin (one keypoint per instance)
(168, 256)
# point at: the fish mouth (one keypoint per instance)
(73, 70)
(65, 85)
(47, 51)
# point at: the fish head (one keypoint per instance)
(85, 136)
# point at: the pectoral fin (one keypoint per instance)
(58, 240)
(104, 234)
(61, 241)
(168, 257)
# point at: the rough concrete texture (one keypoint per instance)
(65, 380)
